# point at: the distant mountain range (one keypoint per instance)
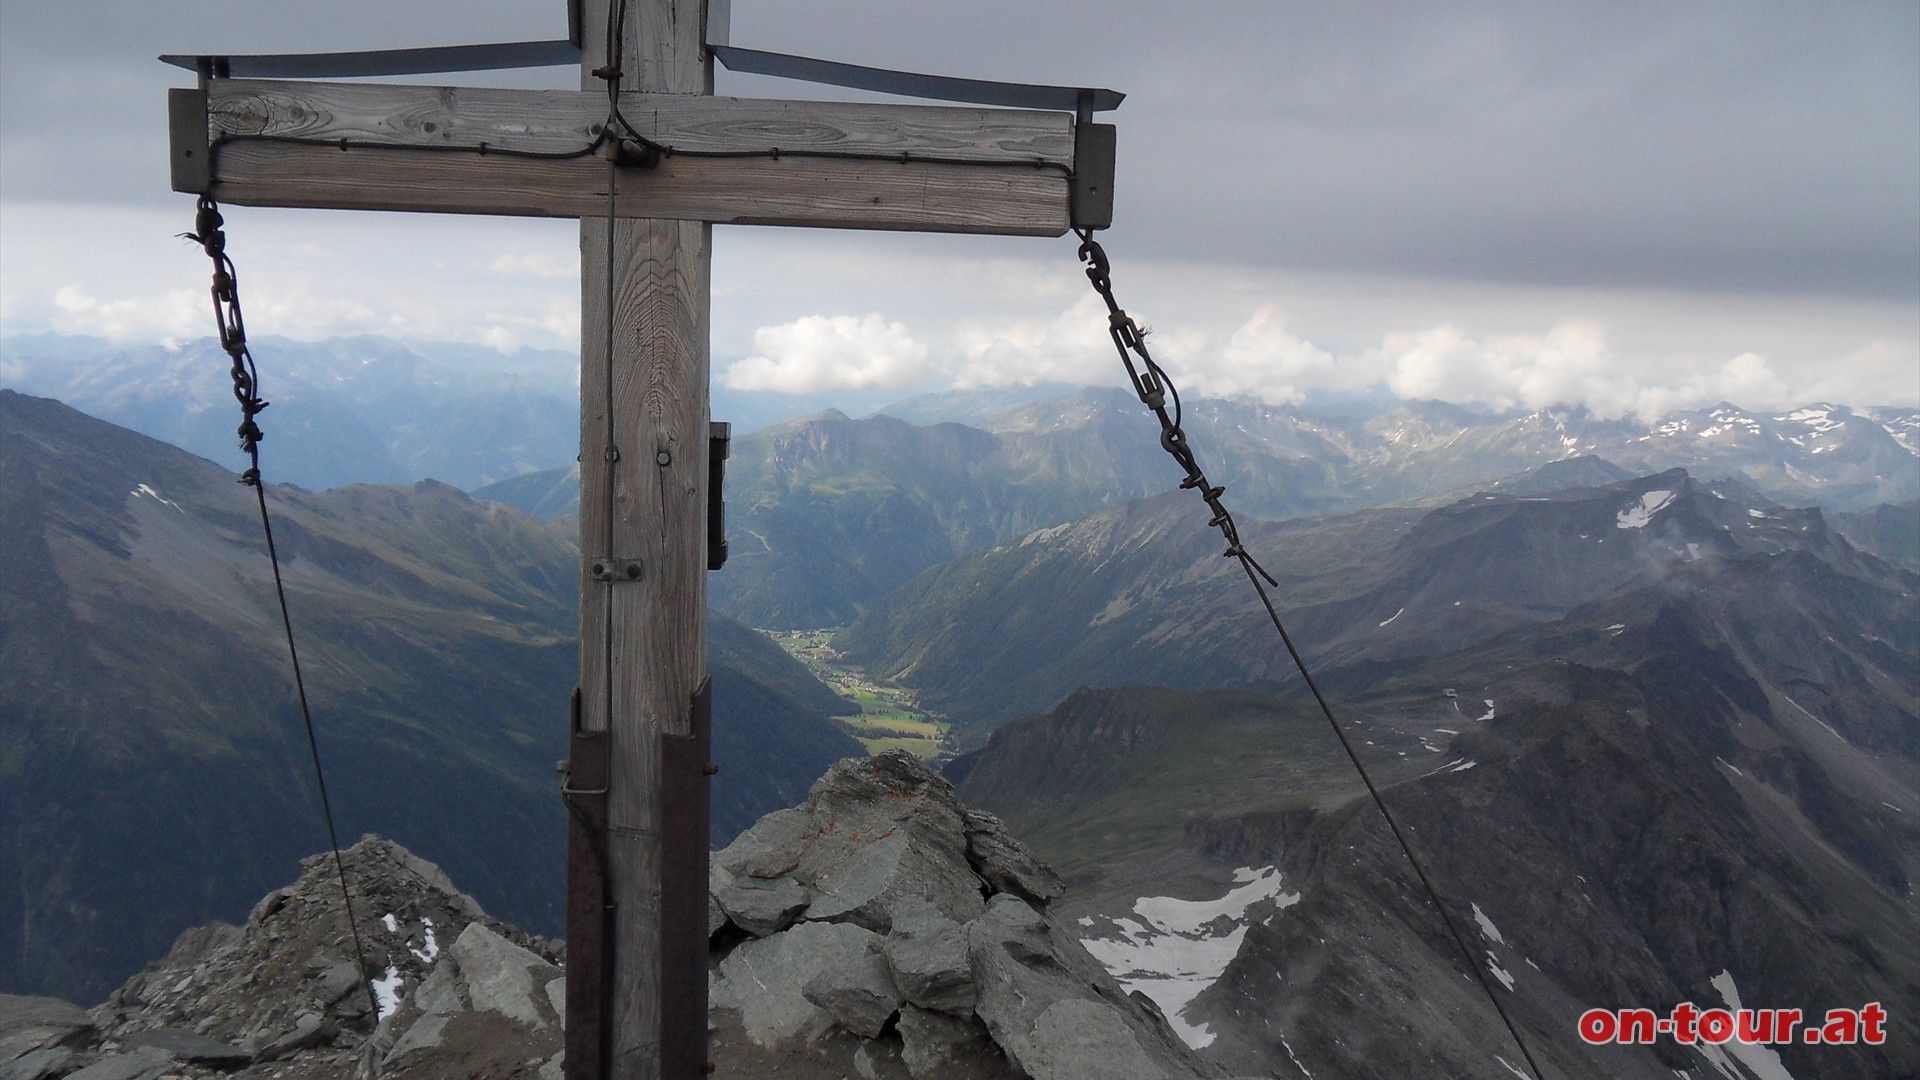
(155, 773)
(1137, 595)
(864, 505)
(362, 410)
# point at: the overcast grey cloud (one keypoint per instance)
(1579, 156)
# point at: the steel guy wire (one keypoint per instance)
(209, 233)
(1154, 388)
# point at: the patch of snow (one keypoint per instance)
(1717, 1057)
(388, 921)
(1617, 626)
(1760, 1060)
(1810, 716)
(1693, 552)
(1820, 420)
(1086, 920)
(1446, 731)
(432, 948)
(1505, 977)
(1175, 949)
(1486, 926)
(1730, 765)
(1639, 514)
(1893, 808)
(1293, 1057)
(1049, 533)
(1394, 616)
(1464, 766)
(386, 990)
(1511, 1069)
(144, 489)
(1489, 715)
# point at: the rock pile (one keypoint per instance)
(881, 930)
(282, 997)
(884, 930)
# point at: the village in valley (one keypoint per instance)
(890, 717)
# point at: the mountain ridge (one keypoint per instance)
(155, 771)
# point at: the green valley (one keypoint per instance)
(890, 717)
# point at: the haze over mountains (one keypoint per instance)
(861, 506)
(1647, 696)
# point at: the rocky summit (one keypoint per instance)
(881, 929)
(285, 996)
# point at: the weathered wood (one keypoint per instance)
(683, 891)
(565, 121)
(824, 193)
(644, 377)
(589, 929)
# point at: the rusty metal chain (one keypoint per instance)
(211, 236)
(1155, 388)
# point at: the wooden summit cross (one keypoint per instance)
(649, 457)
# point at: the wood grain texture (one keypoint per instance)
(822, 193)
(646, 287)
(558, 121)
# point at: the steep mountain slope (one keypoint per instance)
(1222, 860)
(1139, 595)
(771, 736)
(549, 494)
(827, 515)
(1891, 531)
(1677, 765)
(154, 771)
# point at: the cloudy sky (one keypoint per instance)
(1632, 207)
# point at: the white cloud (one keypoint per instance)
(817, 353)
(501, 338)
(1571, 364)
(1747, 380)
(539, 264)
(1265, 360)
(1071, 347)
(175, 314)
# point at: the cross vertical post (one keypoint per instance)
(643, 533)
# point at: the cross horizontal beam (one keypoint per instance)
(734, 160)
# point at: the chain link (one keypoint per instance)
(209, 234)
(1155, 388)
